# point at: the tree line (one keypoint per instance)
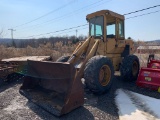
(66, 40)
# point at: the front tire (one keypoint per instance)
(129, 68)
(99, 74)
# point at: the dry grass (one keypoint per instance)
(55, 51)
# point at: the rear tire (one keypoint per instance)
(98, 74)
(129, 68)
(63, 59)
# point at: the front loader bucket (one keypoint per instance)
(149, 78)
(53, 86)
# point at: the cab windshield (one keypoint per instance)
(96, 26)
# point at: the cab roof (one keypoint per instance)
(107, 12)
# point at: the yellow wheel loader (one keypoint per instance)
(57, 86)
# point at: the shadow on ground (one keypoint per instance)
(106, 103)
(80, 113)
(131, 86)
(16, 79)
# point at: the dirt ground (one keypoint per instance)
(14, 106)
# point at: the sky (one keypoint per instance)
(55, 15)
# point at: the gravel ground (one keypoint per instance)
(14, 106)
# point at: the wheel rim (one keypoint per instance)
(135, 68)
(104, 75)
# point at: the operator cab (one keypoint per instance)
(106, 24)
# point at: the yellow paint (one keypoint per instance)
(154, 66)
(159, 89)
(148, 79)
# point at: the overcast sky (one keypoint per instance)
(17, 14)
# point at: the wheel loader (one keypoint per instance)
(57, 86)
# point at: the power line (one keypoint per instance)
(61, 32)
(69, 14)
(71, 31)
(72, 13)
(76, 10)
(142, 9)
(57, 31)
(87, 24)
(45, 14)
(143, 14)
(83, 8)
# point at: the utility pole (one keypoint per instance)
(12, 32)
(76, 33)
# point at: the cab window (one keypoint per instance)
(96, 26)
(121, 29)
(111, 30)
